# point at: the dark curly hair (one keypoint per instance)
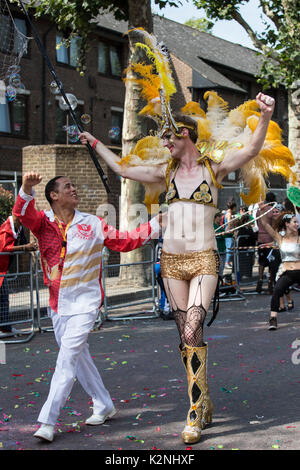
(282, 220)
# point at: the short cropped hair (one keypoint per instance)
(51, 186)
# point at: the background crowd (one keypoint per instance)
(255, 245)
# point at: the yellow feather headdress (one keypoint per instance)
(220, 130)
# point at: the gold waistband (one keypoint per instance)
(186, 266)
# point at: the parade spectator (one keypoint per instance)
(164, 307)
(228, 218)
(285, 233)
(264, 239)
(12, 239)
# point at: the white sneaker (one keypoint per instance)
(45, 432)
(100, 419)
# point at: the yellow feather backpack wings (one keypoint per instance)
(220, 128)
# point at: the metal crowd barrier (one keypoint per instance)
(127, 285)
(244, 272)
(25, 297)
(16, 299)
(230, 286)
(42, 297)
(245, 263)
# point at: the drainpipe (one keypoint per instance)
(44, 87)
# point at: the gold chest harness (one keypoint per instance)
(208, 151)
(201, 195)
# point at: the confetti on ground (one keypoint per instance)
(223, 389)
(134, 439)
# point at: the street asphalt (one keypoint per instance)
(253, 373)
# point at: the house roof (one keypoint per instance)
(197, 49)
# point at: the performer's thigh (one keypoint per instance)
(177, 293)
(202, 289)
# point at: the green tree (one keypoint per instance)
(78, 17)
(6, 204)
(278, 45)
(202, 24)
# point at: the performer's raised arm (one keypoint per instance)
(237, 159)
(24, 207)
(144, 174)
(273, 233)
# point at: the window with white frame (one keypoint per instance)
(13, 117)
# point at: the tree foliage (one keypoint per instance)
(77, 17)
(279, 44)
(202, 24)
(6, 204)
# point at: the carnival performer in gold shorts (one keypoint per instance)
(188, 158)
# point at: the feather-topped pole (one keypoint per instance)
(156, 81)
(157, 86)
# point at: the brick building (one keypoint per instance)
(35, 117)
(200, 60)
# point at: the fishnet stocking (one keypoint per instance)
(197, 294)
(193, 328)
(179, 316)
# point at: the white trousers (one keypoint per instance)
(74, 360)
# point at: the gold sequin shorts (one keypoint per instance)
(186, 266)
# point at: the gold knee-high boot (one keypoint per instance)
(182, 351)
(201, 407)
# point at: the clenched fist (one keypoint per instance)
(266, 103)
(30, 179)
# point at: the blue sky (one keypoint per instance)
(229, 30)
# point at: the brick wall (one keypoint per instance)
(73, 161)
